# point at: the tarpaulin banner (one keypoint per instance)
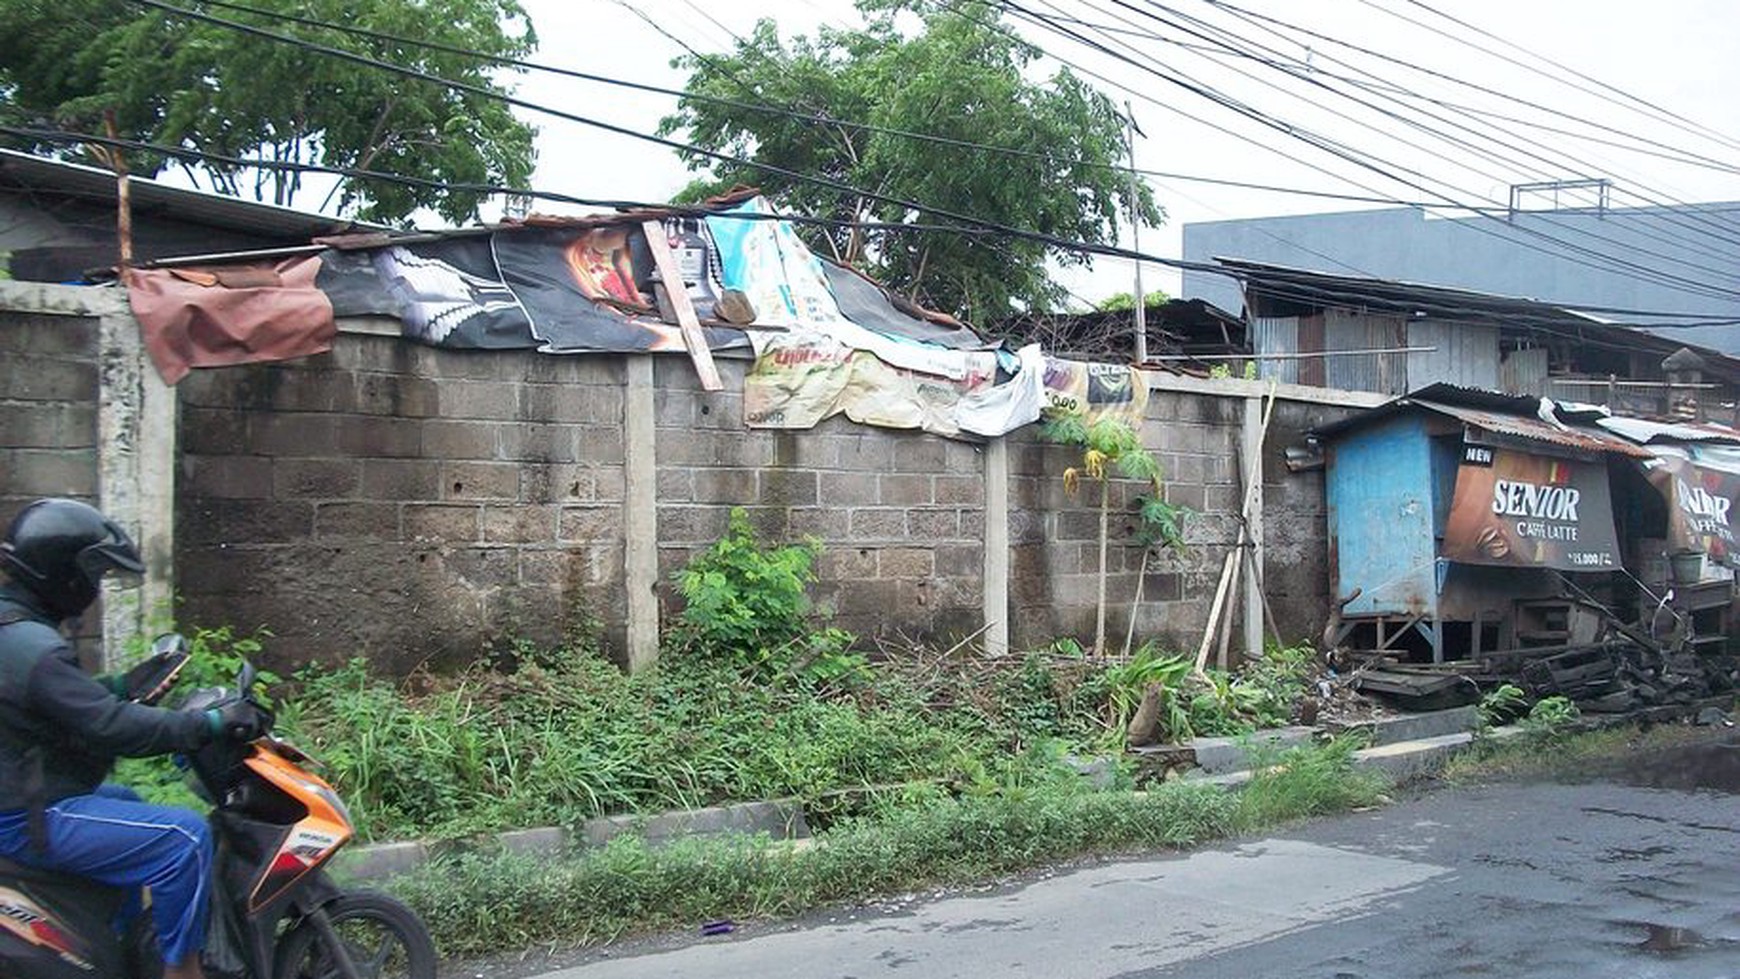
(800, 379)
(1096, 390)
(587, 285)
(446, 292)
(581, 288)
(235, 314)
(766, 261)
(1522, 510)
(1701, 496)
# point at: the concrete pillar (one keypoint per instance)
(640, 514)
(997, 545)
(136, 451)
(1251, 453)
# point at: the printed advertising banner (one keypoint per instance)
(1520, 510)
(1701, 501)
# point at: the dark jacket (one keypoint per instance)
(62, 722)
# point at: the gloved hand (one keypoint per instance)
(239, 720)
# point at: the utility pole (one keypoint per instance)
(1136, 237)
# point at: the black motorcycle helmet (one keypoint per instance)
(59, 550)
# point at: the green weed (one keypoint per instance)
(481, 902)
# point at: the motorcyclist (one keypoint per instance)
(62, 729)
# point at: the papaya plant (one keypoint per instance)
(1111, 448)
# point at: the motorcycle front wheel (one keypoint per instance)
(384, 939)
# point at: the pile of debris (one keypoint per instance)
(1615, 675)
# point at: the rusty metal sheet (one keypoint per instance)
(1644, 431)
(1534, 429)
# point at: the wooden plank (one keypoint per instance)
(694, 338)
(1238, 387)
(1208, 633)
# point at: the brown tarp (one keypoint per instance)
(232, 314)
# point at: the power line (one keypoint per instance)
(1235, 44)
(1250, 15)
(819, 117)
(1601, 260)
(1694, 126)
(1395, 90)
(1691, 320)
(836, 186)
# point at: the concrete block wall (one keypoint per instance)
(48, 410)
(417, 505)
(1055, 537)
(402, 502)
(899, 515)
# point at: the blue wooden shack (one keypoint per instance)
(1460, 519)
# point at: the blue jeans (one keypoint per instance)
(113, 838)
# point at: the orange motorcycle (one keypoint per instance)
(276, 913)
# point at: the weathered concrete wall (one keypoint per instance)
(900, 515)
(83, 416)
(48, 409)
(401, 502)
(416, 505)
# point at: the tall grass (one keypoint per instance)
(556, 745)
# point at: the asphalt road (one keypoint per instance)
(1635, 876)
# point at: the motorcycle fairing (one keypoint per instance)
(310, 841)
(44, 921)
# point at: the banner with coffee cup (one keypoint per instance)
(1523, 510)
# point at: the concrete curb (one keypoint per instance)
(781, 820)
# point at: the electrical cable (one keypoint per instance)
(1247, 14)
(766, 108)
(1689, 125)
(1311, 78)
(833, 185)
(1349, 296)
(1396, 92)
(1596, 259)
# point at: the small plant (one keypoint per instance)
(746, 603)
(1128, 682)
(1261, 694)
(1551, 717)
(1501, 705)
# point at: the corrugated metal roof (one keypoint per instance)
(1537, 430)
(1504, 414)
(1644, 432)
(25, 171)
(1286, 288)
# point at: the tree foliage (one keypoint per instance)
(955, 71)
(181, 82)
(1123, 302)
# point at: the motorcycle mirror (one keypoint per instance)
(170, 644)
(245, 680)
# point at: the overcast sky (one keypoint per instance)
(1677, 54)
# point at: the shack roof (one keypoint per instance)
(1645, 432)
(24, 172)
(1282, 290)
(1532, 419)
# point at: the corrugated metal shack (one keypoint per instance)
(1457, 517)
(1367, 334)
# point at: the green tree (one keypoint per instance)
(954, 71)
(182, 82)
(1123, 302)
